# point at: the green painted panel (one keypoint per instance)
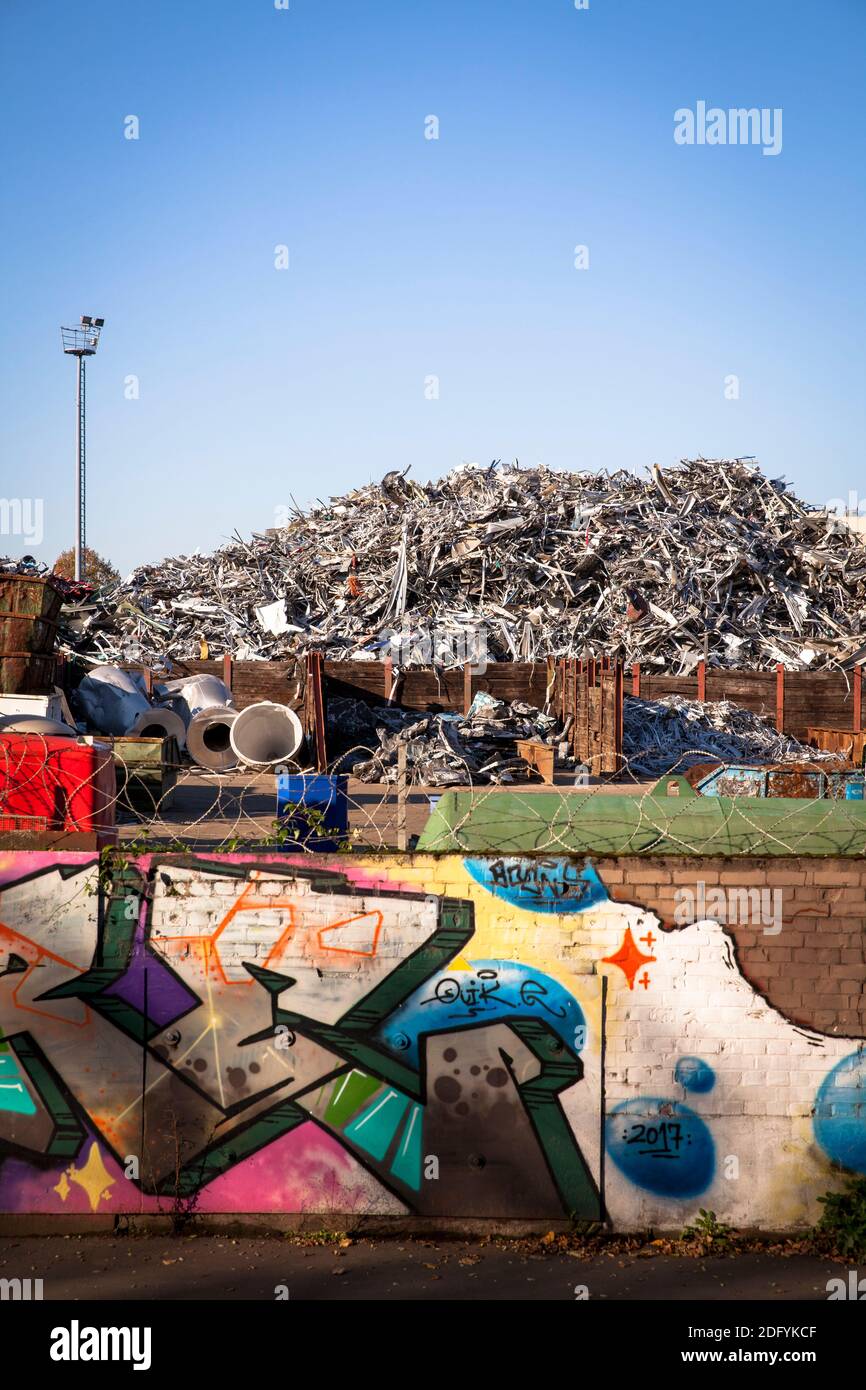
(646, 823)
(348, 1095)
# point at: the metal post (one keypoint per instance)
(402, 839)
(81, 341)
(79, 475)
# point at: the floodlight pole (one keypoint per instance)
(79, 474)
(81, 341)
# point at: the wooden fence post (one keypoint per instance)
(619, 702)
(780, 698)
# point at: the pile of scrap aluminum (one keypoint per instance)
(706, 559)
(442, 750)
(660, 735)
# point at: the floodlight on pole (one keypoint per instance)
(81, 342)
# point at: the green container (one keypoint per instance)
(146, 771)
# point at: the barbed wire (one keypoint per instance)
(181, 807)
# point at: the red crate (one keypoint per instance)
(55, 784)
(36, 825)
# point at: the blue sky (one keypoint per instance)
(411, 258)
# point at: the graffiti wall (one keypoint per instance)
(437, 1037)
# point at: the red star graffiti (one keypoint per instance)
(630, 958)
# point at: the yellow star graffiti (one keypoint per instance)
(93, 1177)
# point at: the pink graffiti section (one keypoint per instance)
(305, 1171)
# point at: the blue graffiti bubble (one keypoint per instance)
(694, 1074)
(539, 885)
(662, 1146)
(840, 1113)
(489, 991)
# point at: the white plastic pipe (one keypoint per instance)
(265, 734)
(207, 738)
(156, 722)
(189, 696)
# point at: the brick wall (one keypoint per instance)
(814, 968)
(502, 1039)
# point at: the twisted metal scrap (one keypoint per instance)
(724, 562)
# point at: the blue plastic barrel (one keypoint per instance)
(314, 808)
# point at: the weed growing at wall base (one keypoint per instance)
(708, 1233)
(842, 1226)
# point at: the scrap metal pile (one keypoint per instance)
(73, 590)
(660, 735)
(709, 558)
(480, 747)
(442, 750)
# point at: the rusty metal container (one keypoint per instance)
(797, 781)
(851, 743)
(29, 608)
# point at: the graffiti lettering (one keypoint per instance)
(540, 885)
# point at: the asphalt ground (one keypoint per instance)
(138, 1268)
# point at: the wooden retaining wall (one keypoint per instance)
(794, 701)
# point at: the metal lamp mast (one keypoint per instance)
(81, 342)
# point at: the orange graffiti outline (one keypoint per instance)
(41, 952)
(349, 950)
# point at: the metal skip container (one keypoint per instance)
(29, 608)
